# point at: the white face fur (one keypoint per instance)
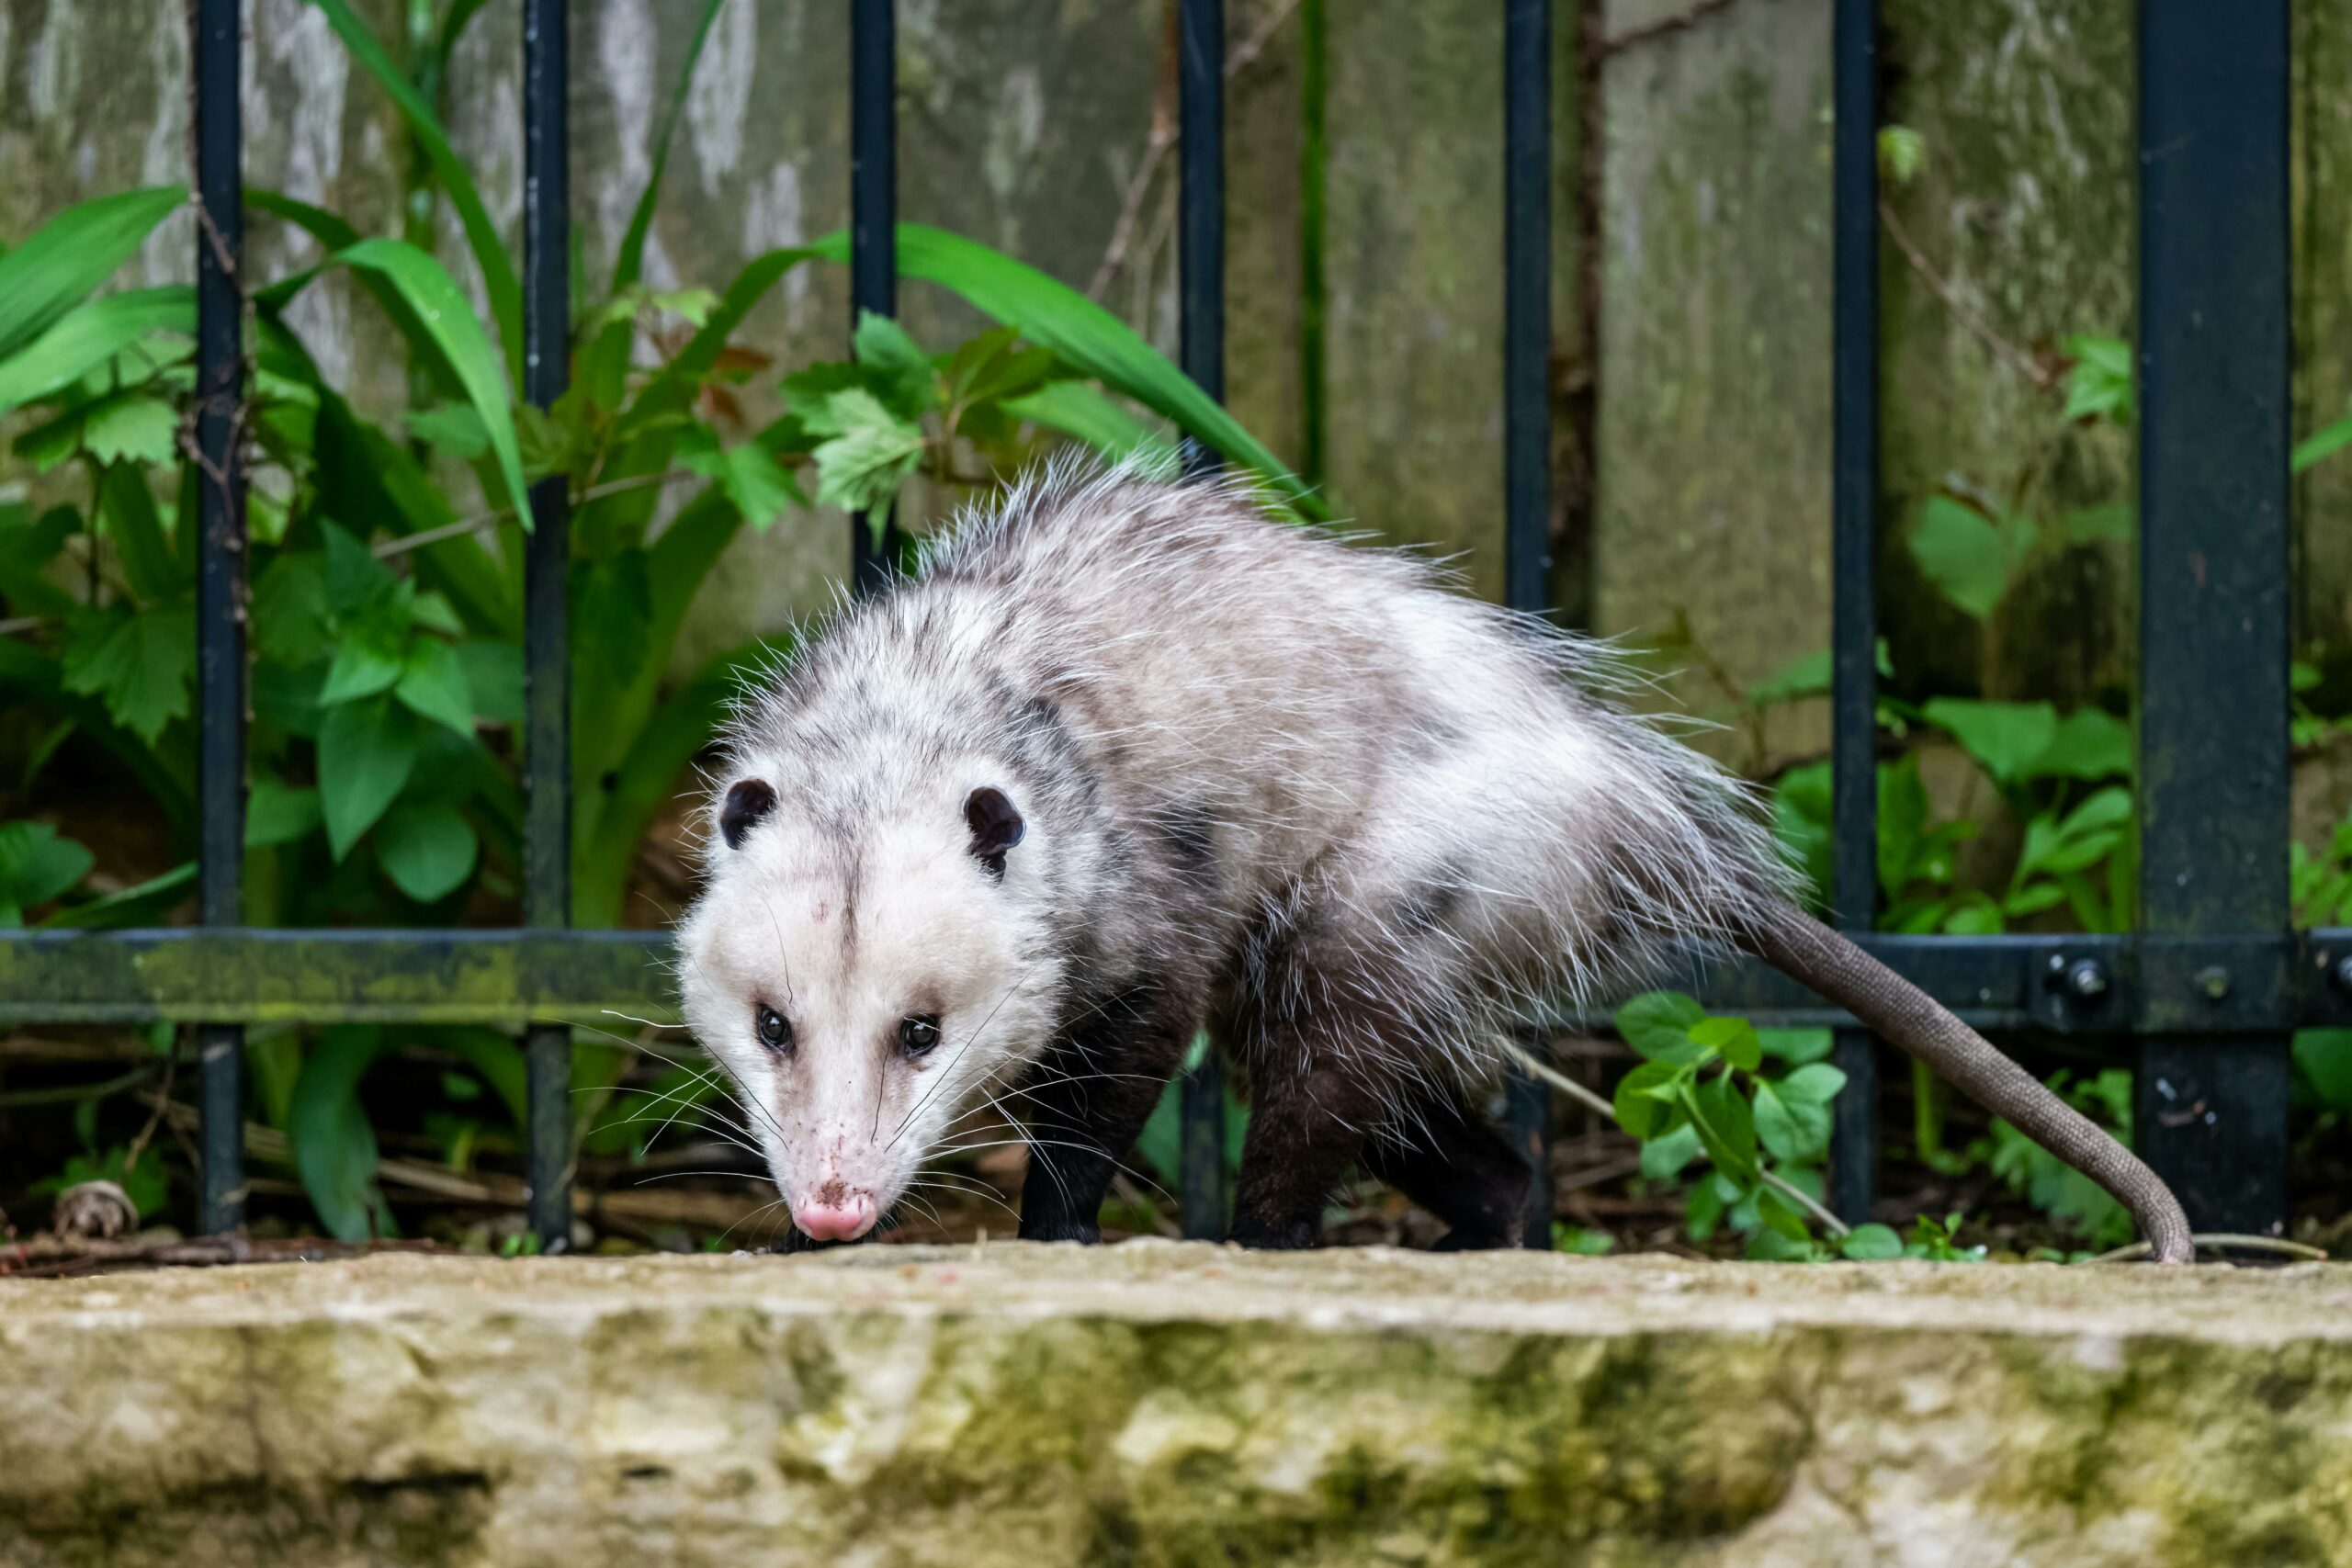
(865, 994)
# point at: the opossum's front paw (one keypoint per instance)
(1280, 1236)
(1086, 1233)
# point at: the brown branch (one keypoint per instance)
(2019, 359)
(1681, 21)
(1162, 138)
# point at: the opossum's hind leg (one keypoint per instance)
(1085, 1103)
(1308, 1121)
(1450, 1160)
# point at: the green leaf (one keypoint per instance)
(451, 332)
(494, 676)
(2098, 384)
(1796, 1046)
(1639, 1111)
(64, 260)
(1963, 554)
(1085, 413)
(2325, 1058)
(277, 813)
(482, 233)
(92, 333)
(1783, 1218)
(361, 669)
(892, 361)
(754, 483)
(868, 451)
(353, 577)
(1816, 1083)
(1733, 1039)
(1664, 1155)
(139, 663)
(1870, 1244)
(136, 429)
(2089, 743)
(1657, 1025)
(433, 686)
(2003, 737)
(1726, 1125)
(2323, 442)
(1791, 1129)
(37, 864)
(454, 428)
(1902, 154)
(367, 750)
(1083, 335)
(629, 265)
(136, 527)
(334, 1144)
(427, 851)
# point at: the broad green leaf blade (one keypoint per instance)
(334, 1145)
(1658, 1024)
(482, 233)
(141, 664)
(1871, 1243)
(277, 813)
(72, 253)
(427, 851)
(1083, 335)
(366, 752)
(1733, 1039)
(1085, 413)
(433, 686)
(1816, 1083)
(89, 335)
(1790, 1128)
(1962, 554)
(1639, 1110)
(452, 331)
(2002, 736)
(629, 265)
(36, 866)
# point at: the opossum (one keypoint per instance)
(1125, 759)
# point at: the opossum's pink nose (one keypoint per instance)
(846, 1219)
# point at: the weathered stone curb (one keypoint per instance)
(1164, 1403)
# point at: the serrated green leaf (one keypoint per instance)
(896, 367)
(366, 752)
(2098, 384)
(433, 685)
(141, 664)
(131, 429)
(37, 864)
(75, 252)
(428, 850)
(868, 451)
(754, 483)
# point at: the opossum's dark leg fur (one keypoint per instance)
(1308, 1120)
(1451, 1163)
(1087, 1102)
(1804, 949)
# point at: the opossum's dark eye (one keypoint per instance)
(918, 1034)
(774, 1034)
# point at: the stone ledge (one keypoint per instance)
(1158, 1402)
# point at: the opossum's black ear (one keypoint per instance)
(996, 825)
(747, 801)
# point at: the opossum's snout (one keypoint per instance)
(835, 1215)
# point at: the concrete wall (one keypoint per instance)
(1024, 119)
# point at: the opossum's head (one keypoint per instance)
(866, 983)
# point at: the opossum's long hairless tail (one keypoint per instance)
(1803, 948)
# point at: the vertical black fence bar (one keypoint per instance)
(547, 333)
(1854, 609)
(2210, 1112)
(221, 579)
(872, 221)
(1527, 434)
(1200, 260)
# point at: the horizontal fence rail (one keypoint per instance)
(2083, 985)
(2209, 988)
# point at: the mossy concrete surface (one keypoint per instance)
(1158, 1402)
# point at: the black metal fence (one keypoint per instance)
(2206, 990)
